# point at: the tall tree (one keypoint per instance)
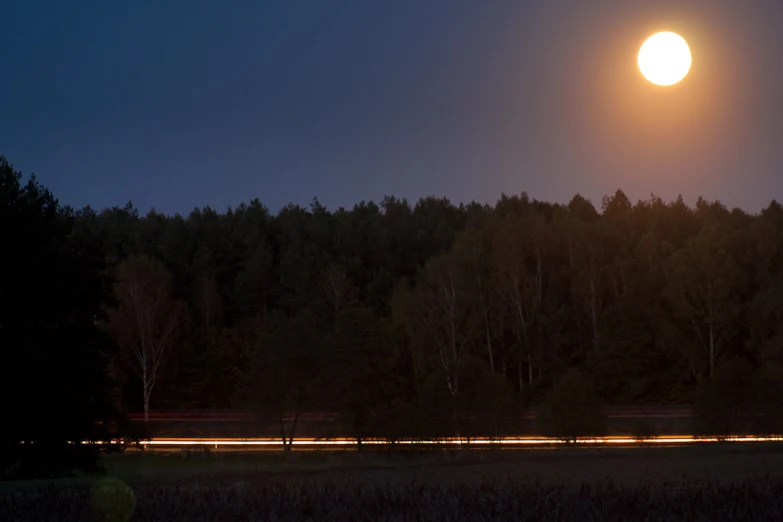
(702, 291)
(284, 372)
(443, 317)
(473, 246)
(356, 374)
(518, 285)
(146, 321)
(53, 358)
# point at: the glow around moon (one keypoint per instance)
(665, 58)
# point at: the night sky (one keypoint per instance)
(181, 103)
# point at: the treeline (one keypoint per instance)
(394, 311)
(412, 302)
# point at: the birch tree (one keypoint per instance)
(586, 266)
(146, 320)
(473, 247)
(701, 283)
(512, 278)
(440, 317)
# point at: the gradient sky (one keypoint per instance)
(181, 103)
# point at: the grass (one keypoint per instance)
(653, 483)
(360, 497)
(623, 465)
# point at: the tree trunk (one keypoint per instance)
(296, 420)
(489, 352)
(712, 350)
(145, 383)
(454, 417)
(485, 316)
(358, 429)
(594, 314)
(570, 253)
(146, 406)
(282, 429)
(415, 368)
(539, 278)
(519, 375)
(540, 345)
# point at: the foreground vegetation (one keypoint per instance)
(353, 498)
(710, 482)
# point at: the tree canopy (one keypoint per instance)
(392, 313)
(55, 383)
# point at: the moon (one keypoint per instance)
(665, 58)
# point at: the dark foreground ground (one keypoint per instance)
(701, 483)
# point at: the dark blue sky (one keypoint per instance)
(180, 103)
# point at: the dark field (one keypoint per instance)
(710, 482)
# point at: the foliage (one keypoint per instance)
(281, 380)
(53, 357)
(363, 496)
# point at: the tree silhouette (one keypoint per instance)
(146, 320)
(53, 357)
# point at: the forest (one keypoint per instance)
(384, 311)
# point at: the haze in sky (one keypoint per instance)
(185, 103)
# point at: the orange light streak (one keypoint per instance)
(506, 441)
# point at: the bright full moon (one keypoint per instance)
(665, 58)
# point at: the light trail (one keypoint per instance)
(506, 441)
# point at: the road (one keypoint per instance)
(221, 429)
(505, 442)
